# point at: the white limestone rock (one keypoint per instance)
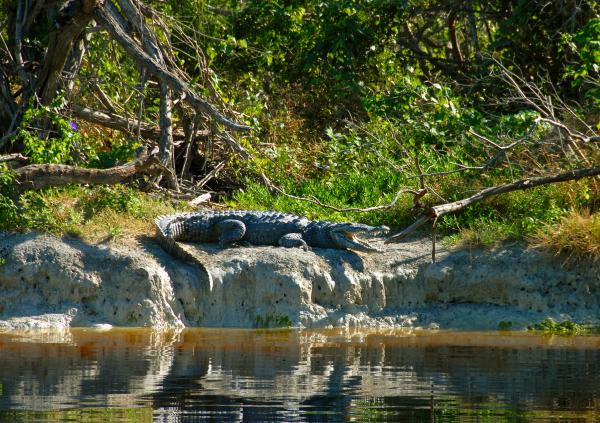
(43, 277)
(47, 282)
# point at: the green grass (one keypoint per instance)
(358, 190)
(92, 213)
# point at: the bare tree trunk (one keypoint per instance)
(166, 149)
(77, 15)
(456, 54)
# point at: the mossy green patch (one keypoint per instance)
(566, 327)
(272, 320)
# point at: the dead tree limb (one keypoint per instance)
(16, 157)
(38, 176)
(436, 212)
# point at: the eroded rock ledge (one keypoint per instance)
(48, 282)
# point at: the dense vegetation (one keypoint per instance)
(350, 101)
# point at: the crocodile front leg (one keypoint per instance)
(230, 231)
(293, 240)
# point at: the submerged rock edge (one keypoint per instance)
(46, 282)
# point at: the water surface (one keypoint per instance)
(314, 376)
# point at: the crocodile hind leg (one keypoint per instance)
(293, 240)
(230, 231)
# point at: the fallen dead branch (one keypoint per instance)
(435, 212)
(38, 176)
(14, 158)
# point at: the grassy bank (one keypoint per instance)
(555, 217)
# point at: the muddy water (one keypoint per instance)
(336, 375)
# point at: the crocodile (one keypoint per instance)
(262, 228)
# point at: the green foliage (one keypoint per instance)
(9, 211)
(121, 150)
(364, 165)
(116, 75)
(505, 325)
(551, 327)
(58, 143)
(64, 142)
(332, 59)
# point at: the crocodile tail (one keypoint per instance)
(168, 242)
(167, 236)
(167, 239)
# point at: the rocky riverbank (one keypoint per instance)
(48, 282)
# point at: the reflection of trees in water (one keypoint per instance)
(317, 376)
(105, 369)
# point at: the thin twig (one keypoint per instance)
(316, 201)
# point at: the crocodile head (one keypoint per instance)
(351, 236)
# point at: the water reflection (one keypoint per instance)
(335, 375)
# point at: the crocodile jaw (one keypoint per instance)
(350, 241)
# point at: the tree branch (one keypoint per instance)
(126, 124)
(16, 157)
